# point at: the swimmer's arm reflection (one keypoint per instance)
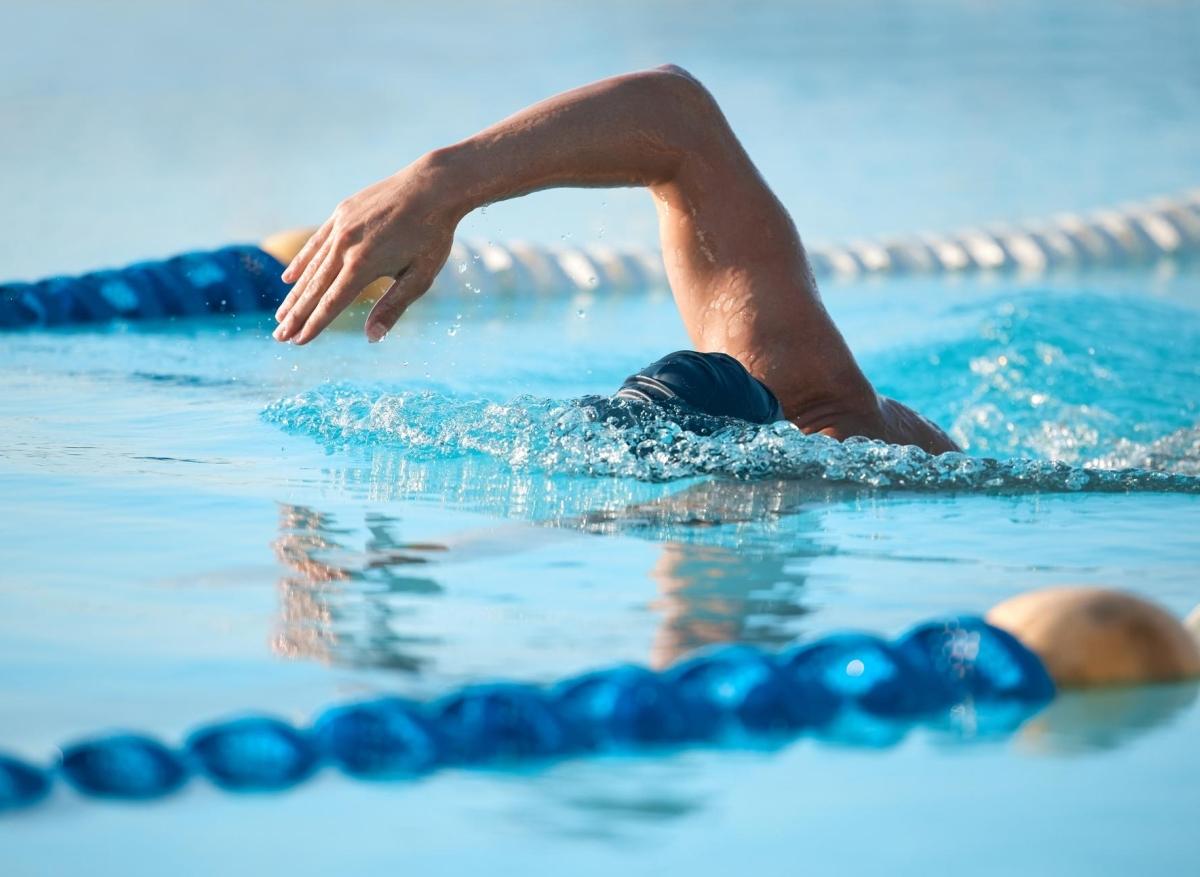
(735, 263)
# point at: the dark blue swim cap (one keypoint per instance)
(710, 383)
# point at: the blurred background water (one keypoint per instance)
(173, 550)
(138, 128)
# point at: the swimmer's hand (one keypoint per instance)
(395, 228)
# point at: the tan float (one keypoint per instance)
(1088, 636)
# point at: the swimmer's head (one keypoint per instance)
(1096, 636)
(700, 393)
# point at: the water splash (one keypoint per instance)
(623, 440)
(1077, 378)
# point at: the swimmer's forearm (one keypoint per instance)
(633, 130)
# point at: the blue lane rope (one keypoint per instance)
(236, 279)
(839, 685)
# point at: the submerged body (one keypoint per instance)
(737, 268)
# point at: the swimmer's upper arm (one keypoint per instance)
(738, 270)
(720, 218)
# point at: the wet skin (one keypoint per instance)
(737, 268)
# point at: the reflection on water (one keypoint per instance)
(709, 594)
(1096, 721)
(337, 604)
(724, 574)
(732, 566)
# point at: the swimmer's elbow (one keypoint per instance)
(682, 87)
(689, 114)
(675, 71)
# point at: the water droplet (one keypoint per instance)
(295, 367)
(462, 267)
(581, 313)
(453, 330)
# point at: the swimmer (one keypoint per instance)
(736, 266)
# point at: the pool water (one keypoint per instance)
(198, 522)
(203, 522)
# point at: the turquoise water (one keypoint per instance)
(197, 521)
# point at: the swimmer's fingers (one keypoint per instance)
(300, 261)
(288, 315)
(340, 295)
(413, 283)
(315, 286)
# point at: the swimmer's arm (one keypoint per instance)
(737, 269)
(632, 130)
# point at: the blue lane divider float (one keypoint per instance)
(236, 279)
(730, 695)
